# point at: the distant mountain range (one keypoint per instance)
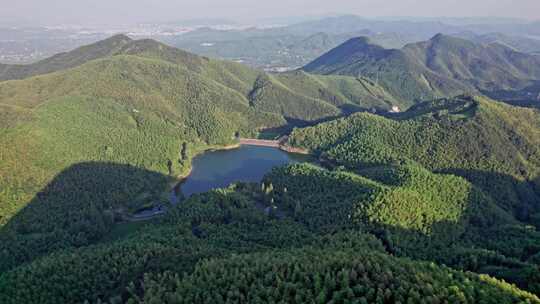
(442, 66)
(418, 28)
(276, 48)
(297, 44)
(522, 44)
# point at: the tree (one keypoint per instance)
(184, 151)
(169, 166)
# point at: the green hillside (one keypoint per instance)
(444, 66)
(494, 145)
(414, 213)
(196, 251)
(312, 91)
(320, 276)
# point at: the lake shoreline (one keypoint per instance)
(184, 175)
(175, 193)
(181, 178)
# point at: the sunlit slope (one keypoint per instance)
(414, 213)
(495, 145)
(404, 196)
(298, 97)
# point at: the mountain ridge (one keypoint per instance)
(443, 66)
(65, 60)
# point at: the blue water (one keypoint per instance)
(218, 169)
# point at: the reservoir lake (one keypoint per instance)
(218, 169)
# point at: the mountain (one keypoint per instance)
(65, 60)
(419, 28)
(442, 66)
(527, 28)
(233, 76)
(396, 70)
(494, 145)
(273, 48)
(350, 23)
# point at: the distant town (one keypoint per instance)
(23, 45)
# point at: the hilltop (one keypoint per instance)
(443, 66)
(66, 60)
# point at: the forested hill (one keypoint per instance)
(496, 146)
(326, 96)
(444, 66)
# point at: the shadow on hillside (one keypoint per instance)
(346, 110)
(77, 208)
(300, 123)
(521, 198)
(536, 185)
(528, 97)
(482, 240)
(485, 249)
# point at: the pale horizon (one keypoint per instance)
(118, 12)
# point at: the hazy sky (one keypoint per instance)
(128, 11)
